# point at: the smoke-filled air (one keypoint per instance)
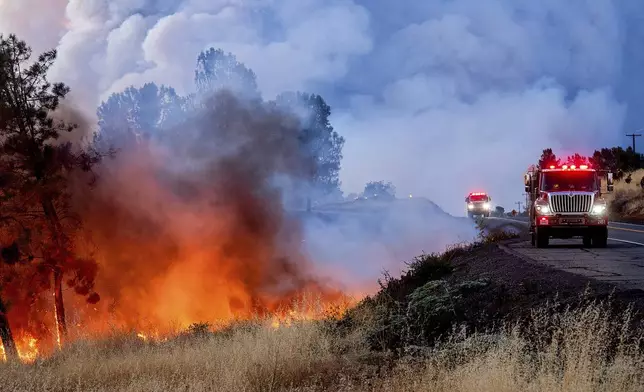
(219, 145)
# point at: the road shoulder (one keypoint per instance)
(528, 283)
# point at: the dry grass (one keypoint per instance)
(627, 200)
(569, 351)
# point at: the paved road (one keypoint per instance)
(621, 262)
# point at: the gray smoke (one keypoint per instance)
(439, 97)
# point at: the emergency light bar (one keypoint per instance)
(571, 167)
(478, 194)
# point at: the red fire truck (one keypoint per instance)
(478, 204)
(565, 202)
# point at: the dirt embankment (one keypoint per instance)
(479, 288)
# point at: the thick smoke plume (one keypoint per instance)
(425, 93)
(191, 229)
(439, 97)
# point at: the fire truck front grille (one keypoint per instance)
(571, 204)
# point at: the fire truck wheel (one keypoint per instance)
(543, 239)
(587, 241)
(600, 240)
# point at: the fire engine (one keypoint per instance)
(478, 203)
(565, 202)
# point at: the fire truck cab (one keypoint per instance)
(478, 204)
(566, 202)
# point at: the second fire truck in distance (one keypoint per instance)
(565, 202)
(478, 203)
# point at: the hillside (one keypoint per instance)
(627, 200)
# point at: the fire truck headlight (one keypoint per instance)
(598, 209)
(543, 209)
(486, 206)
(470, 206)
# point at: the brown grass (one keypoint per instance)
(308, 356)
(627, 200)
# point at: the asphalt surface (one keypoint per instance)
(618, 233)
(621, 262)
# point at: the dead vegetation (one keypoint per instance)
(444, 325)
(570, 350)
(627, 200)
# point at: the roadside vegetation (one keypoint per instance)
(627, 200)
(451, 322)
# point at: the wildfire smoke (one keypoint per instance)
(190, 228)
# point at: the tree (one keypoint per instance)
(318, 140)
(577, 160)
(379, 189)
(217, 70)
(548, 158)
(36, 170)
(616, 160)
(138, 113)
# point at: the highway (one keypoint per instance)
(625, 233)
(622, 262)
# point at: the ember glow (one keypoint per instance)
(190, 232)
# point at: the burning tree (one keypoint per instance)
(36, 172)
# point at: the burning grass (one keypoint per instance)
(573, 352)
(576, 345)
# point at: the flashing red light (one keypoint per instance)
(552, 166)
(478, 194)
(583, 167)
(543, 221)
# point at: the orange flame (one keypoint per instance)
(212, 244)
(27, 349)
(27, 346)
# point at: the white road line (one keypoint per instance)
(612, 239)
(626, 241)
(625, 224)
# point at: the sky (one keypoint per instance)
(441, 97)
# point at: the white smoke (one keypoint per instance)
(440, 97)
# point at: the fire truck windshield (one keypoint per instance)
(584, 181)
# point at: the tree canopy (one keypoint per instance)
(153, 111)
(218, 70)
(317, 137)
(548, 158)
(380, 190)
(139, 113)
(618, 160)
